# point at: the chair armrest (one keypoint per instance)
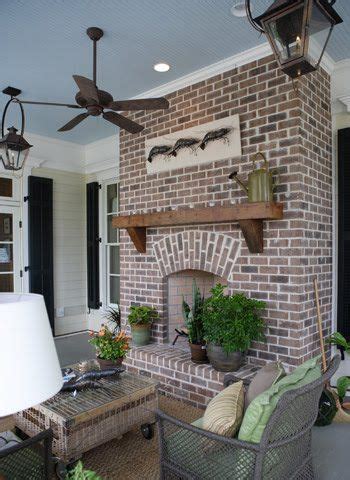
(231, 378)
(162, 417)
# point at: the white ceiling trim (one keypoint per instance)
(209, 71)
(222, 66)
(346, 101)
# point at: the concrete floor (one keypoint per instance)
(330, 445)
(73, 348)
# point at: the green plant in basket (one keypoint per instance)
(79, 473)
(231, 324)
(110, 346)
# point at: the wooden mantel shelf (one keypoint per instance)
(250, 217)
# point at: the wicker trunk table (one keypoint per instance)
(93, 416)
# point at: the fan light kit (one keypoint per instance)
(161, 67)
(298, 32)
(95, 101)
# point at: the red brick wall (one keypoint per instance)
(294, 131)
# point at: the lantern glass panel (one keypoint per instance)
(13, 159)
(319, 32)
(287, 34)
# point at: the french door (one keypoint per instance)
(10, 249)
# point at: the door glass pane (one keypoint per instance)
(114, 289)
(114, 259)
(6, 258)
(112, 198)
(112, 233)
(5, 187)
(6, 227)
(6, 283)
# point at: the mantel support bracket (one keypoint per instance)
(253, 234)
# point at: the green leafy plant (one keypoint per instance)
(193, 316)
(142, 315)
(343, 383)
(337, 339)
(109, 345)
(232, 321)
(79, 473)
(113, 317)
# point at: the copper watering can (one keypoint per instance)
(261, 183)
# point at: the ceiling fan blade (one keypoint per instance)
(122, 122)
(74, 122)
(51, 103)
(87, 87)
(140, 104)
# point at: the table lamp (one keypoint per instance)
(29, 368)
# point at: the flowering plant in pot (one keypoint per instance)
(140, 319)
(111, 347)
(231, 323)
(194, 323)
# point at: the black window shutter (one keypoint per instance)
(93, 245)
(343, 310)
(40, 241)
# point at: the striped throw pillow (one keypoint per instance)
(224, 412)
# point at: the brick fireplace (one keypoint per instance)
(293, 129)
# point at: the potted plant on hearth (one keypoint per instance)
(111, 346)
(140, 319)
(194, 324)
(231, 323)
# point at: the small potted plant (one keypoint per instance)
(194, 323)
(140, 319)
(231, 323)
(111, 347)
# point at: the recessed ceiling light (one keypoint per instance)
(238, 9)
(161, 67)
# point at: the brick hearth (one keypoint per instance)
(178, 376)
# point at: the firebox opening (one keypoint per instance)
(179, 287)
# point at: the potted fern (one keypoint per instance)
(343, 382)
(231, 323)
(194, 323)
(140, 319)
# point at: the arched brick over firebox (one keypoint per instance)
(197, 250)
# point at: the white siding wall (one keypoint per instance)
(69, 236)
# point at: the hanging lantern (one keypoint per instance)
(14, 148)
(298, 32)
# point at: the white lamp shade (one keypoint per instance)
(29, 368)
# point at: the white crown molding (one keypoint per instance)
(209, 71)
(346, 101)
(102, 154)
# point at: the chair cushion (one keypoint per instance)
(261, 408)
(224, 412)
(266, 376)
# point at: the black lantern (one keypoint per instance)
(14, 148)
(298, 32)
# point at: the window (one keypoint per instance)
(112, 263)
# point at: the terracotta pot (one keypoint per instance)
(141, 334)
(198, 353)
(108, 364)
(222, 361)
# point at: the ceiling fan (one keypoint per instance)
(96, 101)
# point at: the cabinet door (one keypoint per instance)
(10, 264)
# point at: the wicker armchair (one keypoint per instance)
(284, 453)
(28, 460)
